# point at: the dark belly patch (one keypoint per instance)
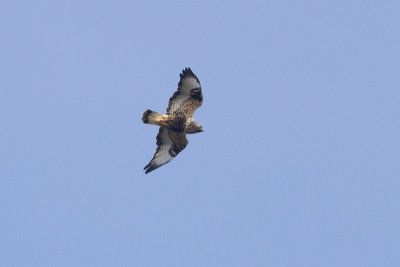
(177, 124)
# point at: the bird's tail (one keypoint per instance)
(152, 117)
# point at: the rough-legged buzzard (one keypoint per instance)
(178, 121)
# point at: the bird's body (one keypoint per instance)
(174, 122)
(177, 122)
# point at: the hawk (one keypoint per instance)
(179, 121)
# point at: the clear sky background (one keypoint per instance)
(299, 164)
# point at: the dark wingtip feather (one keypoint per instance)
(186, 72)
(149, 168)
(145, 167)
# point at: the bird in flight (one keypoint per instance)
(179, 121)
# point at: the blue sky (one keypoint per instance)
(298, 164)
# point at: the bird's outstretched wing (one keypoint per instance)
(169, 144)
(188, 97)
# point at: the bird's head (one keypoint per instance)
(194, 127)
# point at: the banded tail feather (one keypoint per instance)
(152, 117)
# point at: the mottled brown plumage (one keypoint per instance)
(178, 121)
